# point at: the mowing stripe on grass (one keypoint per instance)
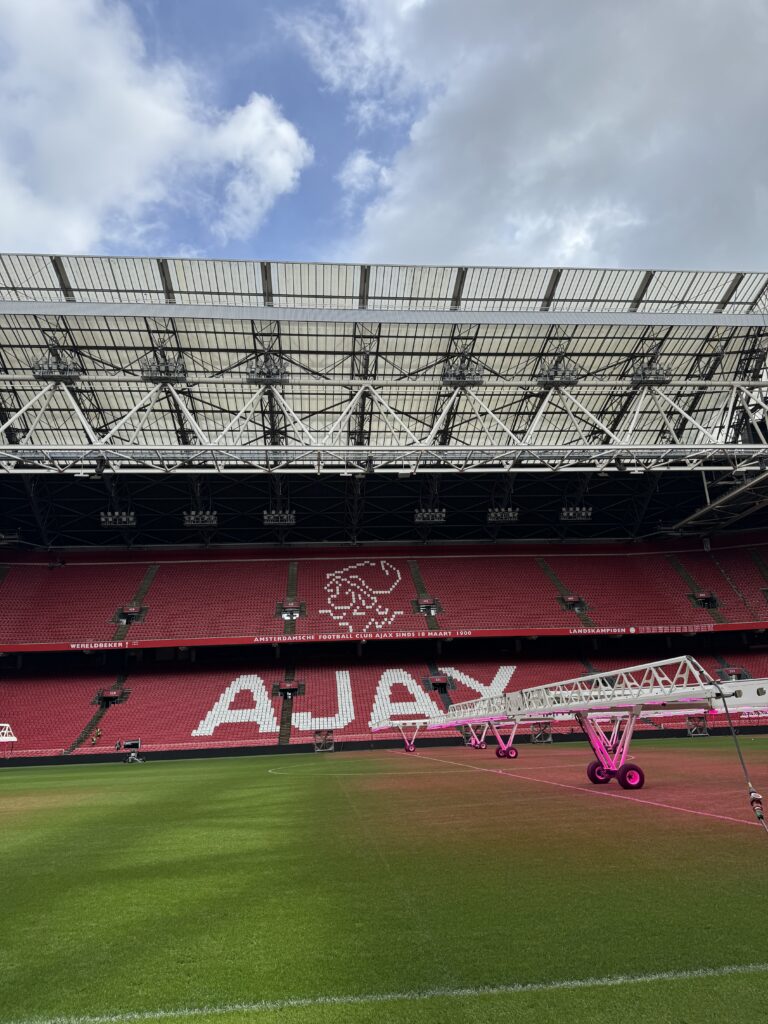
(417, 995)
(598, 792)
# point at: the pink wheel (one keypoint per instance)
(512, 753)
(483, 745)
(630, 776)
(500, 752)
(598, 775)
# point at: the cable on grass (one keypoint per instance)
(755, 799)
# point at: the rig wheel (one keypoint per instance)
(483, 745)
(630, 776)
(512, 753)
(500, 752)
(597, 775)
(410, 747)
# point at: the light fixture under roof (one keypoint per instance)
(279, 518)
(163, 366)
(463, 371)
(576, 513)
(508, 514)
(652, 372)
(56, 365)
(429, 515)
(267, 368)
(193, 518)
(560, 377)
(110, 520)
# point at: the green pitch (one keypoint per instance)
(304, 886)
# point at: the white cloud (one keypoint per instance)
(262, 155)
(360, 49)
(98, 143)
(549, 132)
(359, 176)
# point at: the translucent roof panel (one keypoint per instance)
(29, 277)
(500, 288)
(604, 290)
(751, 294)
(415, 287)
(324, 285)
(350, 286)
(685, 291)
(216, 282)
(94, 279)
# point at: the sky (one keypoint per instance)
(512, 132)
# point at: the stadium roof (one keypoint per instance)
(352, 286)
(176, 366)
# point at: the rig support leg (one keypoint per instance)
(610, 738)
(477, 738)
(506, 747)
(409, 742)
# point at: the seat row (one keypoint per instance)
(177, 709)
(513, 591)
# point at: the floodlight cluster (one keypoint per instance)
(279, 518)
(508, 514)
(194, 518)
(576, 514)
(429, 515)
(110, 520)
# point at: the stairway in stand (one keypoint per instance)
(93, 722)
(286, 713)
(136, 601)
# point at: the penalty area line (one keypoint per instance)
(417, 995)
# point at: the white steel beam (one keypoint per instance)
(431, 458)
(306, 314)
(43, 394)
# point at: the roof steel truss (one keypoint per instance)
(213, 366)
(216, 424)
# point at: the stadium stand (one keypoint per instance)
(702, 574)
(48, 713)
(201, 600)
(189, 708)
(166, 710)
(746, 569)
(491, 592)
(65, 602)
(210, 599)
(629, 591)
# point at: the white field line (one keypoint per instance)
(312, 772)
(597, 791)
(299, 773)
(416, 995)
(525, 767)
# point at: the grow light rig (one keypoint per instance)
(606, 706)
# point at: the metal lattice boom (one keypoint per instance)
(656, 688)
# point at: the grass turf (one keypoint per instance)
(212, 882)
